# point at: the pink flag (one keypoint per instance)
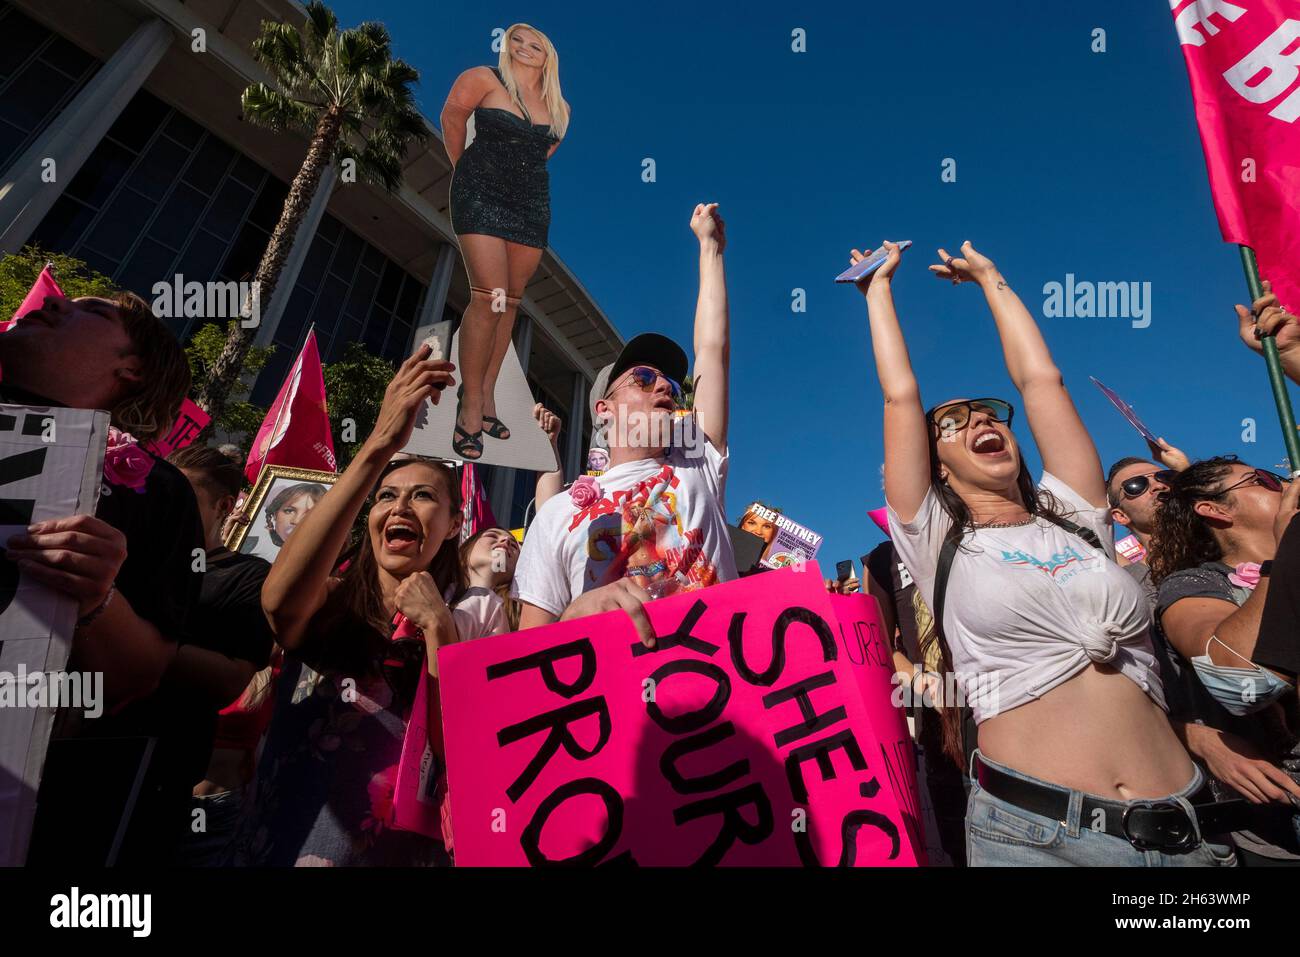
(1243, 58)
(44, 286)
(296, 430)
(476, 510)
(881, 517)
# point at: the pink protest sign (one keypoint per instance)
(187, 426)
(862, 635)
(743, 738)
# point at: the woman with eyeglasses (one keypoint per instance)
(1076, 763)
(1216, 533)
(359, 641)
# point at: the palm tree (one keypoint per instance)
(346, 89)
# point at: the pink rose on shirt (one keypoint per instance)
(125, 463)
(1245, 575)
(585, 492)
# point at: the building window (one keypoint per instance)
(160, 196)
(40, 72)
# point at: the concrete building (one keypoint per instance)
(123, 145)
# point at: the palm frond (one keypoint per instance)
(378, 163)
(407, 125)
(321, 25)
(264, 106)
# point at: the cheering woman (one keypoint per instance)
(500, 207)
(358, 642)
(1076, 763)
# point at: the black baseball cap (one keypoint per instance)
(648, 349)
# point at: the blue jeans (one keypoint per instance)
(1000, 834)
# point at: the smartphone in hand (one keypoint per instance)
(865, 267)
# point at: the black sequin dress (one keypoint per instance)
(501, 187)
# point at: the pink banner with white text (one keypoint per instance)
(1243, 59)
(189, 423)
(743, 738)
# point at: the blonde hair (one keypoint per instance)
(555, 104)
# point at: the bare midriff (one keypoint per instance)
(229, 768)
(1096, 732)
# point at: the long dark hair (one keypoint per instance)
(1181, 538)
(359, 594)
(283, 498)
(512, 606)
(1038, 502)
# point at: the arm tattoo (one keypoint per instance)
(1002, 284)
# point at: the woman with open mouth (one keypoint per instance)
(487, 562)
(1049, 640)
(359, 640)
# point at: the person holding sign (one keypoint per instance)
(358, 645)
(1076, 762)
(129, 566)
(654, 522)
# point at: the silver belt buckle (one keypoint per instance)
(1186, 840)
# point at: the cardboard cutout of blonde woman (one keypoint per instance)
(501, 212)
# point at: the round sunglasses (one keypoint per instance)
(952, 418)
(646, 377)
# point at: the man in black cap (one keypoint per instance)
(655, 522)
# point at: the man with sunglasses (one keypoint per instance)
(1133, 487)
(654, 523)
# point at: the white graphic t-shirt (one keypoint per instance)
(661, 522)
(1029, 607)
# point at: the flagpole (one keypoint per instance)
(1274, 362)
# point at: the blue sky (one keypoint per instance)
(1067, 161)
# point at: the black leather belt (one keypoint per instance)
(1147, 825)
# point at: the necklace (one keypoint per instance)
(1028, 521)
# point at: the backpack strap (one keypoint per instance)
(941, 573)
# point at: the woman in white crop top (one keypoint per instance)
(1047, 637)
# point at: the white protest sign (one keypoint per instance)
(51, 463)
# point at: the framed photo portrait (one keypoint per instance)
(278, 502)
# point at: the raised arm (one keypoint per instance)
(907, 438)
(1063, 442)
(297, 585)
(465, 94)
(549, 483)
(712, 327)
